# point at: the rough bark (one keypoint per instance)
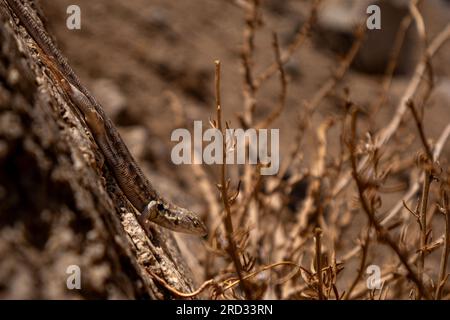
(59, 205)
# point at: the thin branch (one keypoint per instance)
(340, 72)
(318, 252)
(232, 249)
(254, 273)
(313, 200)
(362, 264)
(382, 232)
(300, 38)
(387, 132)
(423, 224)
(439, 146)
(392, 63)
(282, 97)
(415, 187)
(180, 294)
(422, 218)
(445, 209)
(249, 89)
(419, 125)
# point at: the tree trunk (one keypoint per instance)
(59, 205)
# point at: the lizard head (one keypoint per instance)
(175, 218)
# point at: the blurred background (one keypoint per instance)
(141, 57)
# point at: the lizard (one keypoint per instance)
(129, 176)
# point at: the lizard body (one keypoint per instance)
(136, 187)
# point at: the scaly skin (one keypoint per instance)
(127, 172)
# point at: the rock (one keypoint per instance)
(338, 18)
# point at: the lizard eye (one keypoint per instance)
(160, 207)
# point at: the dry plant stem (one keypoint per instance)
(413, 189)
(445, 209)
(282, 98)
(419, 125)
(243, 4)
(298, 41)
(423, 224)
(391, 274)
(387, 132)
(207, 189)
(386, 277)
(331, 83)
(421, 31)
(201, 176)
(232, 249)
(250, 188)
(254, 273)
(177, 293)
(249, 90)
(418, 19)
(317, 237)
(214, 210)
(365, 250)
(311, 106)
(392, 63)
(425, 191)
(311, 203)
(249, 94)
(441, 141)
(251, 191)
(294, 154)
(382, 232)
